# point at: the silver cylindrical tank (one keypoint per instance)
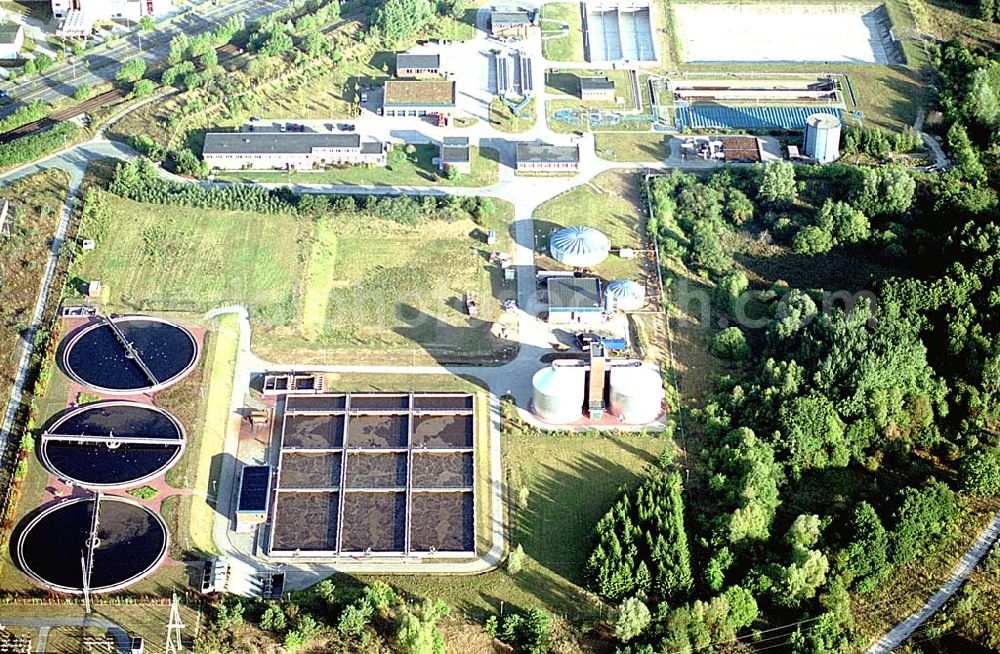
(822, 140)
(626, 295)
(557, 393)
(636, 393)
(580, 247)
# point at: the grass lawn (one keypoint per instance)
(643, 146)
(504, 120)
(569, 46)
(213, 433)
(347, 286)
(613, 207)
(418, 170)
(36, 207)
(173, 258)
(571, 481)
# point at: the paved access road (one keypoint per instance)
(902, 631)
(101, 64)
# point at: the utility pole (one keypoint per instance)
(174, 627)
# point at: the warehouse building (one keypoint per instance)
(418, 65)
(597, 88)
(455, 153)
(575, 300)
(289, 150)
(509, 22)
(417, 98)
(542, 158)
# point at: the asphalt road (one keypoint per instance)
(101, 64)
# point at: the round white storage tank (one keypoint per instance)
(822, 140)
(580, 247)
(636, 393)
(626, 295)
(557, 393)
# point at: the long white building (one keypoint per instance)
(289, 150)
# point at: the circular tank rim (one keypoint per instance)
(553, 374)
(181, 442)
(158, 559)
(822, 120)
(130, 391)
(575, 236)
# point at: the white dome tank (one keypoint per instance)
(580, 247)
(626, 295)
(822, 141)
(636, 393)
(557, 393)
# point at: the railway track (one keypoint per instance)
(63, 115)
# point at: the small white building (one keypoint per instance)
(11, 40)
(289, 150)
(77, 17)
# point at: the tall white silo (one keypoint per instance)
(822, 141)
(636, 393)
(557, 393)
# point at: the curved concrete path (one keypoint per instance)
(970, 559)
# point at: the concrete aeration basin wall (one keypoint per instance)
(130, 354)
(119, 540)
(375, 475)
(112, 444)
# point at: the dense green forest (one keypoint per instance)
(854, 423)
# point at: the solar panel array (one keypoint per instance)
(720, 117)
(374, 474)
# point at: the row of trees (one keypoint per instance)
(343, 619)
(141, 181)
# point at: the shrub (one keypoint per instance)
(144, 492)
(731, 344)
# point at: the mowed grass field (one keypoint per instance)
(569, 46)
(645, 146)
(337, 286)
(571, 481)
(611, 204)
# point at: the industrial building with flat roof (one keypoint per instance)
(540, 157)
(288, 150)
(597, 88)
(417, 98)
(509, 21)
(574, 299)
(455, 153)
(418, 65)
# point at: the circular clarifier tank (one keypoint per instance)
(112, 444)
(117, 540)
(130, 354)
